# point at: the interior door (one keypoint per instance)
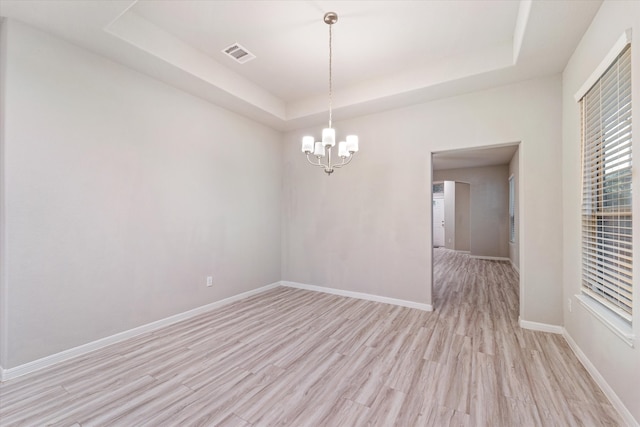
(438, 222)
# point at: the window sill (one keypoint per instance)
(610, 320)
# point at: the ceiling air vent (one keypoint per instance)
(238, 53)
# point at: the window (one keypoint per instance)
(606, 188)
(512, 210)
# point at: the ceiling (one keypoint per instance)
(387, 54)
(474, 158)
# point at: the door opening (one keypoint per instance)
(477, 226)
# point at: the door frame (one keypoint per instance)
(520, 223)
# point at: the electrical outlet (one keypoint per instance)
(209, 281)
(569, 300)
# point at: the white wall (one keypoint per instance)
(449, 214)
(617, 362)
(463, 220)
(3, 269)
(514, 170)
(456, 215)
(121, 195)
(367, 228)
(489, 207)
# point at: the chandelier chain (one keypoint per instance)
(330, 74)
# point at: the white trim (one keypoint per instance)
(618, 47)
(542, 327)
(463, 252)
(610, 320)
(512, 204)
(27, 368)
(602, 383)
(491, 258)
(521, 25)
(359, 295)
(515, 267)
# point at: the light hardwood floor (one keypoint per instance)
(300, 358)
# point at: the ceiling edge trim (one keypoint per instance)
(521, 26)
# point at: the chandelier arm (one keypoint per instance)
(322, 165)
(344, 162)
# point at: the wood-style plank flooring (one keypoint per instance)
(300, 358)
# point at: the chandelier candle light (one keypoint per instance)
(322, 149)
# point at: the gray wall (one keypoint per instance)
(121, 194)
(367, 228)
(489, 209)
(616, 362)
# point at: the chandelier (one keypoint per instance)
(321, 150)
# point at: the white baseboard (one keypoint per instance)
(27, 368)
(599, 379)
(542, 327)
(515, 267)
(359, 295)
(491, 258)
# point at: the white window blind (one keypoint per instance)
(606, 188)
(512, 210)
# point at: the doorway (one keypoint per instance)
(486, 172)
